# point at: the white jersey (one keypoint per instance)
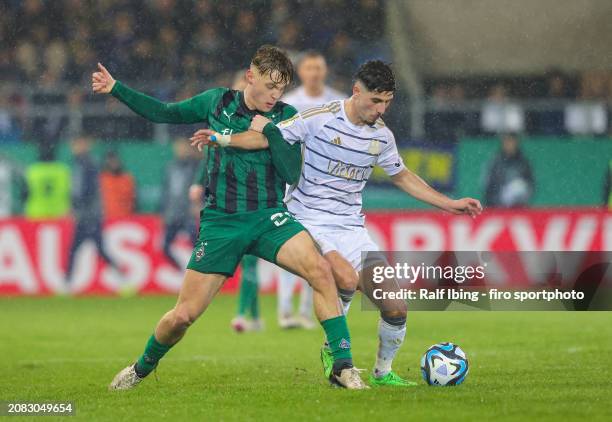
(338, 160)
(302, 101)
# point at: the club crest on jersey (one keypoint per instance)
(336, 141)
(199, 253)
(374, 147)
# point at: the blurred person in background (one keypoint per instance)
(175, 205)
(589, 114)
(117, 188)
(509, 179)
(312, 92)
(499, 114)
(48, 187)
(12, 187)
(551, 121)
(10, 130)
(86, 206)
(607, 199)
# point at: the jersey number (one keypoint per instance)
(280, 218)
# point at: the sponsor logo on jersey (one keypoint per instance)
(336, 141)
(346, 171)
(229, 116)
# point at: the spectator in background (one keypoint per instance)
(10, 130)
(12, 187)
(117, 188)
(589, 115)
(499, 114)
(550, 122)
(175, 204)
(48, 187)
(509, 179)
(86, 206)
(607, 199)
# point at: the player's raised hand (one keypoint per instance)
(469, 206)
(202, 138)
(101, 81)
(258, 123)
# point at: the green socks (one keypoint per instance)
(152, 354)
(339, 341)
(248, 300)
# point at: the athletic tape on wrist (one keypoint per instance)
(222, 140)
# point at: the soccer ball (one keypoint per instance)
(444, 364)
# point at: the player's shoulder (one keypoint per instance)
(382, 131)
(324, 111)
(284, 110)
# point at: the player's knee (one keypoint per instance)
(320, 275)
(347, 279)
(182, 318)
(396, 317)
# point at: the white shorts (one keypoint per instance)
(349, 242)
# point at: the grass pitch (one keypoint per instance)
(527, 366)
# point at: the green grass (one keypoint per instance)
(527, 366)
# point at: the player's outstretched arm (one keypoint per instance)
(418, 188)
(249, 140)
(102, 82)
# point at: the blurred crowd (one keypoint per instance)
(171, 48)
(174, 49)
(559, 105)
(49, 42)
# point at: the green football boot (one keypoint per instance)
(391, 380)
(327, 360)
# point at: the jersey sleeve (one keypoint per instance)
(389, 159)
(294, 129)
(191, 110)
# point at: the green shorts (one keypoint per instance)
(225, 238)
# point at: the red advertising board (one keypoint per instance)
(34, 255)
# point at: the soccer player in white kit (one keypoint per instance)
(342, 141)
(313, 92)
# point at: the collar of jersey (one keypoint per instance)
(244, 111)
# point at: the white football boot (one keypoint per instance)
(125, 379)
(349, 378)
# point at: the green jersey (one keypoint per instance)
(238, 180)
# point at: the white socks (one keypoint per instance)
(390, 338)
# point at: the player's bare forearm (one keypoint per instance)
(419, 189)
(413, 185)
(249, 140)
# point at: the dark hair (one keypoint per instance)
(269, 60)
(376, 75)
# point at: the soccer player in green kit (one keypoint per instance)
(244, 212)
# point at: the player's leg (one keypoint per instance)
(305, 312)
(215, 256)
(391, 326)
(171, 230)
(347, 279)
(80, 234)
(285, 242)
(300, 256)
(197, 291)
(248, 297)
(286, 284)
